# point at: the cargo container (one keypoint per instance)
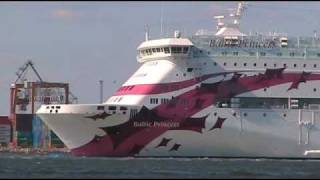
(28, 129)
(5, 131)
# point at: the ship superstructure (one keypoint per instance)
(221, 94)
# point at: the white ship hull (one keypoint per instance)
(273, 136)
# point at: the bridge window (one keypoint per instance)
(185, 50)
(122, 108)
(176, 49)
(166, 50)
(149, 52)
(112, 108)
(100, 107)
(235, 53)
(291, 54)
(279, 54)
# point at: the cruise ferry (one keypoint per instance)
(215, 94)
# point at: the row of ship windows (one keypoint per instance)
(224, 53)
(246, 114)
(265, 64)
(314, 89)
(167, 101)
(126, 88)
(166, 50)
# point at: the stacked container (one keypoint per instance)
(28, 129)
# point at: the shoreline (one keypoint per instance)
(31, 151)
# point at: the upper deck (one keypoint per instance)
(275, 46)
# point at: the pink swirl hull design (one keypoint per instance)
(128, 140)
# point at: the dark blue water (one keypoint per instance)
(61, 166)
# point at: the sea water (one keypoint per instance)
(65, 166)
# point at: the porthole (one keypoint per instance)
(56, 111)
(235, 64)
(184, 74)
(275, 65)
(265, 89)
(215, 114)
(304, 65)
(284, 115)
(234, 114)
(314, 89)
(285, 65)
(264, 114)
(295, 65)
(244, 114)
(315, 65)
(265, 64)
(255, 64)
(225, 64)
(244, 64)
(214, 63)
(177, 74)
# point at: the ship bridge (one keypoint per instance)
(164, 49)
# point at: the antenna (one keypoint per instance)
(161, 19)
(147, 33)
(101, 90)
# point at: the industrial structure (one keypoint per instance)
(5, 131)
(26, 96)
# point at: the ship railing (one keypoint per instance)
(293, 42)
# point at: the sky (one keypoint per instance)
(83, 42)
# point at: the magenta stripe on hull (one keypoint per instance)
(134, 139)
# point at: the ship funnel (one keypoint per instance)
(177, 34)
